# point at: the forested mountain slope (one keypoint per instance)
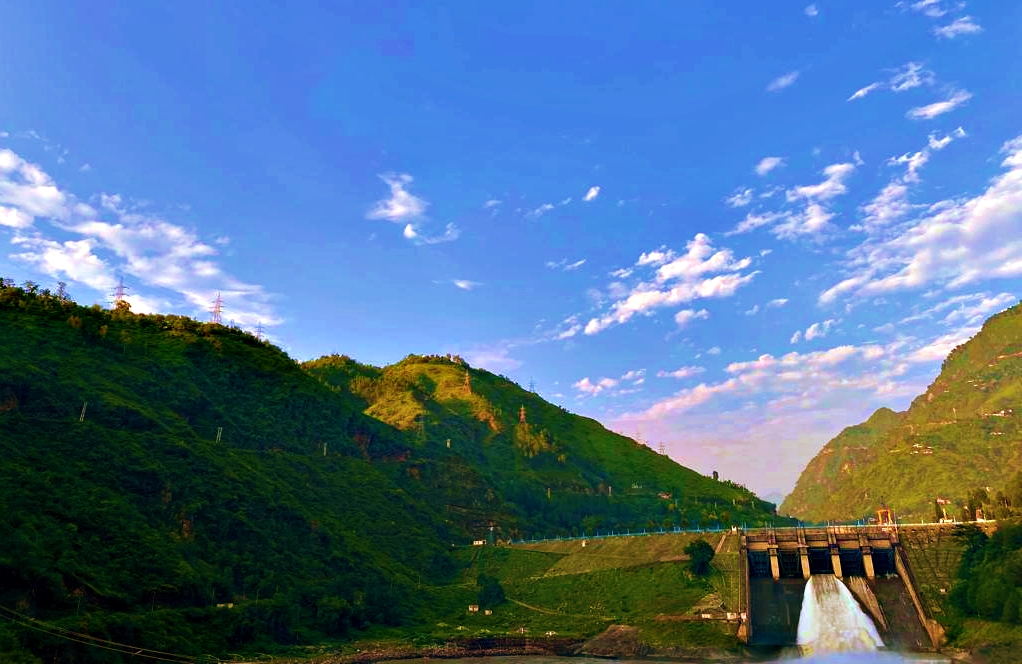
(154, 467)
(962, 433)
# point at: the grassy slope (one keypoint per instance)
(886, 457)
(575, 591)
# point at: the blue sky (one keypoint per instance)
(729, 228)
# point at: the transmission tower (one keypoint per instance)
(663, 449)
(259, 331)
(532, 386)
(218, 308)
(120, 291)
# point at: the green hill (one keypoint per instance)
(962, 433)
(188, 488)
(502, 455)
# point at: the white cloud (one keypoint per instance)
(818, 330)
(753, 221)
(955, 242)
(753, 311)
(811, 10)
(796, 337)
(635, 375)
(779, 302)
(563, 264)
(941, 143)
(683, 372)
(931, 8)
(85, 168)
(681, 279)
(492, 203)
(591, 194)
(863, 91)
(977, 312)
(938, 349)
(960, 26)
(401, 205)
(908, 76)
(714, 351)
(686, 316)
(892, 203)
(782, 82)
(740, 198)
(451, 233)
(538, 212)
(492, 358)
(767, 164)
(465, 284)
(586, 386)
(935, 109)
(833, 184)
(120, 238)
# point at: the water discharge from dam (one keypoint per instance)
(831, 620)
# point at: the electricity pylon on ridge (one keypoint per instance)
(218, 309)
(120, 291)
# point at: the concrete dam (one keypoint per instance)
(778, 563)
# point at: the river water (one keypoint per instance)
(835, 658)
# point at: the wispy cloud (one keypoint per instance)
(778, 302)
(811, 11)
(740, 198)
(683, 372)
(930, 111)
(563, 264)
(403, 207)
(686, 316)
(767, 164)
(782, 82)
(908, 76)
(955, 242)
(892, 202)
(540, 211)
(814, 331)
(591, 194)
(960, 26)
(172, 266)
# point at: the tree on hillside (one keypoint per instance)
(700, 553)
(491, 593)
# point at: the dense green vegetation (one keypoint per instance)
(186, 487)
(990, 574)
(962, 433)
(552, 474)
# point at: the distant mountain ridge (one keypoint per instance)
(964, 432)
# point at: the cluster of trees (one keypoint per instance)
(1000, 504)
(990, 573)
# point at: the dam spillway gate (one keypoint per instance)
(777, 563)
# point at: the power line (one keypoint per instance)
(85, 639)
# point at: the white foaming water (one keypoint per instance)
(832, 622)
